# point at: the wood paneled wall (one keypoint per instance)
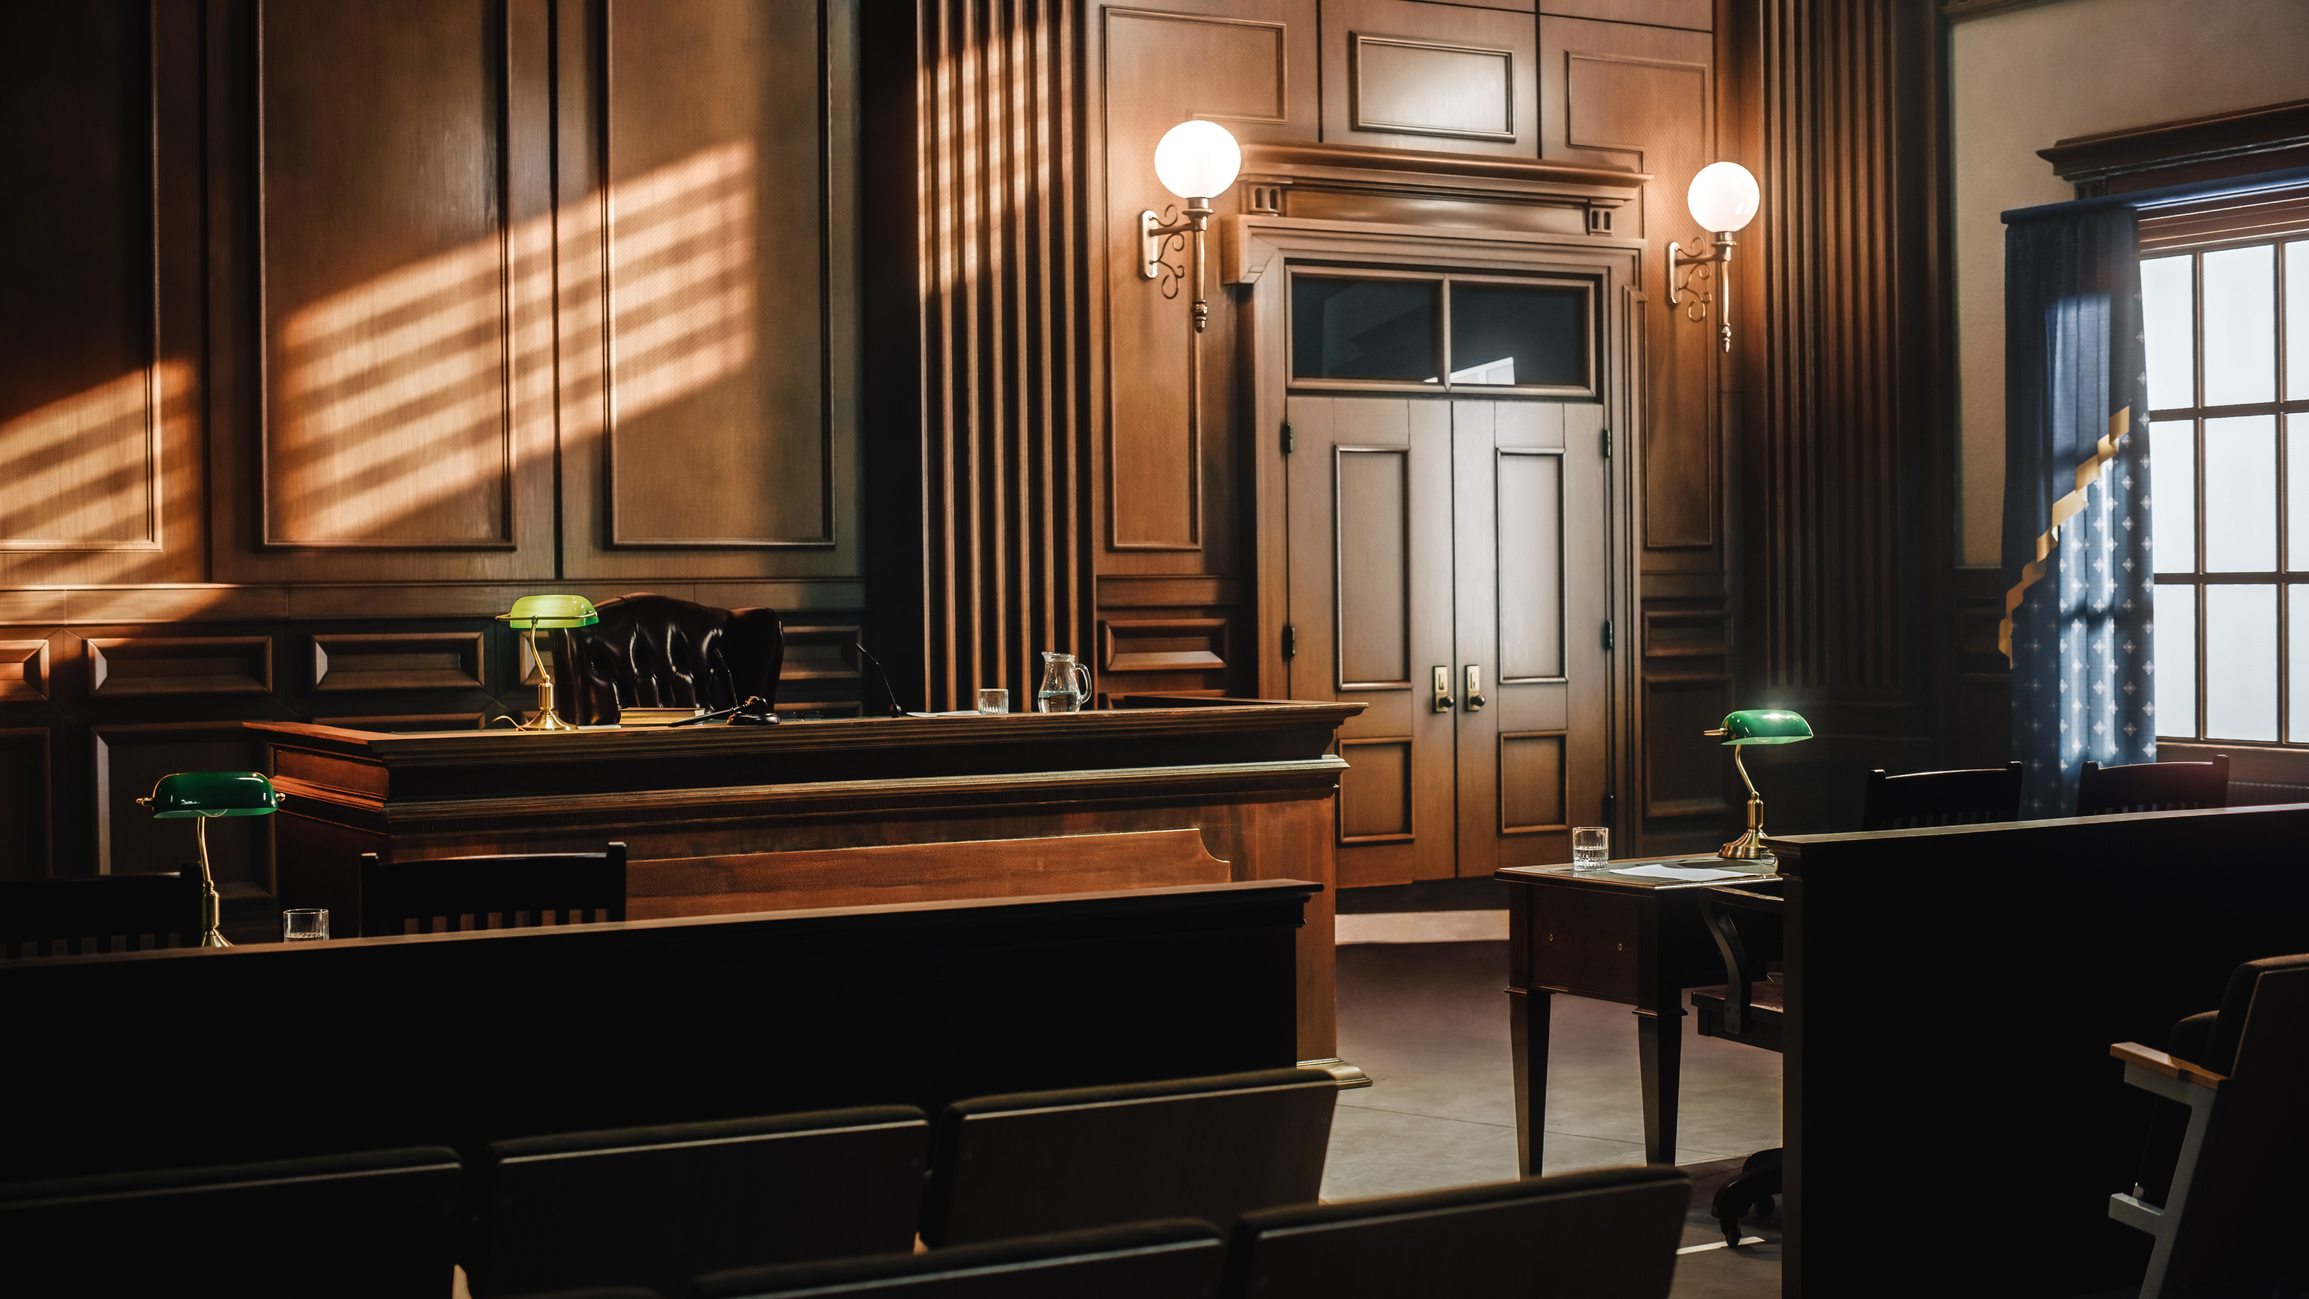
(334, 326)
(1846, 476)
(979, 405)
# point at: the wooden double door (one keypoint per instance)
(1449, 568)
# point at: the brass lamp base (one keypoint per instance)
(546, 719)
(211, 902)
(1750, 845)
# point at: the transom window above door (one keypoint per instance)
(1365, 329)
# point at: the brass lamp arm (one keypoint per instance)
(1683, 265)
(1155, 240)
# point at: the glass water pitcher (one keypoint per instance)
(1065, 684)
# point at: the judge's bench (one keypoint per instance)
(1161, 792)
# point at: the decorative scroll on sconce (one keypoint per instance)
(1723, 198)
(1196, 161)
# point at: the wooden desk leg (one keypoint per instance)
(1527, 1016)
(1660, 1043)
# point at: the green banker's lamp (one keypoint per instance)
(1741, 729)
(531, 612)
(205, 794)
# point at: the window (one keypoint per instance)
(1377, 328)
(2227, 342)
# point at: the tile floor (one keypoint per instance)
(1428, 1022)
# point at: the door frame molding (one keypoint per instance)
(1253, 252)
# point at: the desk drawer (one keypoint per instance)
(1586, 942)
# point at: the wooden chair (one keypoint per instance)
(1171, 1259)
(657, 651)
(1206, 1148)
(379, 1225)
(38, 916)
(1748, 1008)
(2226, 1207)
(519, 890)
(2152, 786)
(657, 1206)
(1921, 798)
(1607, 1234)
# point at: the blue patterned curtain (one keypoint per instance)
(2077, 569)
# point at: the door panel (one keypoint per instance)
(1465, 536)
(1532, 599)
(1370, 499)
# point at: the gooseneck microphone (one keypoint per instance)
(890, 692)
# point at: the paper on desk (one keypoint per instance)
(1684, 874)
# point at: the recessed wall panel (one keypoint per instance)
(1372, 563)
(1375, 791)
(386, 255)
(80, 398)
(713, 301)
(1530, 605)
(1531, 783)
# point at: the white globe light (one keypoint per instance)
(1198, 160)
(1723, 197)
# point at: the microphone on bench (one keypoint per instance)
(896, 709)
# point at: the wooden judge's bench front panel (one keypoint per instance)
(852, 812)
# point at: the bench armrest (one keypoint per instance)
(2170, 1066)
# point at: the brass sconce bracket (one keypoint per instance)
(1157, 238)
(1684, 267)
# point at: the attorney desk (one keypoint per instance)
(847, 812)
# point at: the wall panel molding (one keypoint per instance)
(23, 670)
(26, 800)
(386, 322)
(131, 758)
(406, 660)
(147, 666)
(1163, 644)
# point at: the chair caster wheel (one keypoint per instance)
(1731, 1228)
(1764, 1209)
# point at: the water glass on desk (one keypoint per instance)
(305, 925)
(1590, 848)
(994, 701)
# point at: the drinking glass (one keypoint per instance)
(995, 700)
(305, 925)
(1590, 848)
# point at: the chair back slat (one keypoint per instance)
(1607, 1234)
(2152, 787)
(655, 1207)
(519, 891)
(381, 1225)
(1205, 1148)
(1174, 1259)
(1928, 798)
(61, 917)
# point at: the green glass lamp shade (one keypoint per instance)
(213, 793)
(1764, 726)
(551, 611)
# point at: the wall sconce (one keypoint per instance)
(1723, 198)
(1196, 161)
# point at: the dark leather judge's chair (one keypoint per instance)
(654, 651)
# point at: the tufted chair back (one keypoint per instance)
(654, 651)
